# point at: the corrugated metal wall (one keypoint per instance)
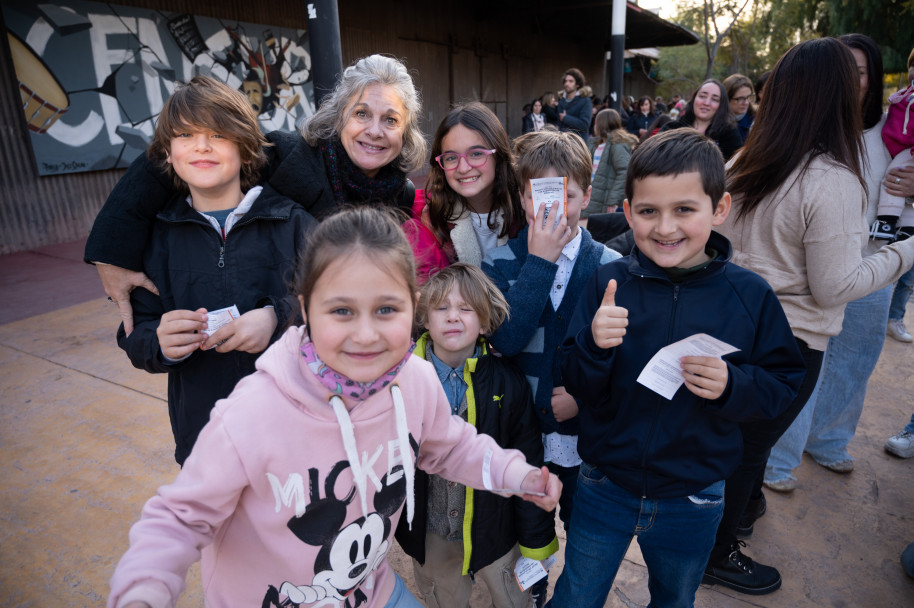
(454, 55)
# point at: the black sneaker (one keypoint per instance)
(754, 511)
(740, 573)
(883, 230)
(538, 591)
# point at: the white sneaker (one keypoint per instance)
(901, 445)
(897, 330)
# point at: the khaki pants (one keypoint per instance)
(443, 586)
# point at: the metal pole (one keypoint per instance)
(617, 57)
(326, 48)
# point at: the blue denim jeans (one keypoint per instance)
(675, 536)
(829, 420)
(909, 427)
(903, 289)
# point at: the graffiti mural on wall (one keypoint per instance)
(93, 76)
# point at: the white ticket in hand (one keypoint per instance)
(549, 190)
(217, 318)
(528, 571)
(663, 373)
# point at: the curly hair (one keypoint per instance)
(331, 117)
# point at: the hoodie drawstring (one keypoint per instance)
(352, 454)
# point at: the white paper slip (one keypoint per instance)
(549, 190)
(663, 373)
(528, 571)
(217, 318)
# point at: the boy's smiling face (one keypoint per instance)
(671, 217)
(209, 164)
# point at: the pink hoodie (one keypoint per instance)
(288, 500)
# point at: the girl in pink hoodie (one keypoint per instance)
(293, 490)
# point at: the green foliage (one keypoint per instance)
(756, 39)
(889, 22)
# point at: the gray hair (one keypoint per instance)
(331, 117)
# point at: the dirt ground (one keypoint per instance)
(85, 440)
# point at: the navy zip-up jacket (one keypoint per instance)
(659, 448)
(194, 267)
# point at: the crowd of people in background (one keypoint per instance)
(670, 208)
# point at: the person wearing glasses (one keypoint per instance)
(471, 204)
(356, 149)
(742, 102)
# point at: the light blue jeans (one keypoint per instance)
(903, 289)
(909, 427)
(829, 420)
(675, 536)
(402, 597)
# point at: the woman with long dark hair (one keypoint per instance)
(828, 422)
(709, 114)
(642, 117)
(799, 200)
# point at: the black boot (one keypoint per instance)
(738, 572)
(754, 511)
(538, 591)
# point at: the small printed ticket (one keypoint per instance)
(550, 190)
(663, 373)
(528, 571)
(217, 318)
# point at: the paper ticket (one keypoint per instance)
(217, 318)
(528, 571)
(550, 190)
(663, 373)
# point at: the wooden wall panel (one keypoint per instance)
(458, 52)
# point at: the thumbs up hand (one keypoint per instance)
(609, 322)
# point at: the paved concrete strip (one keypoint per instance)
(85, 440)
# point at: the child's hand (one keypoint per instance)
(544, 482)
(180, 332)
(706, 377)
(249, 333)
(546, 238)
(609, 322)
(564, 407)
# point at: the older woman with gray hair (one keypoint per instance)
(357, 148)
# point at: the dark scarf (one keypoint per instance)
(351, 185)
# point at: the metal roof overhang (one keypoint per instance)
(591, 22)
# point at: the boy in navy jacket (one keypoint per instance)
(655, 467)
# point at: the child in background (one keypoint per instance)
(293, 487)
(895, 217)
(654, 467)
(542, 273)
(611, 149)
(460, 534)
(471, 201)
(224, 241)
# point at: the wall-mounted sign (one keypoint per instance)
(93, 77)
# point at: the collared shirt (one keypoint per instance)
(563, 274)
(451, 380)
